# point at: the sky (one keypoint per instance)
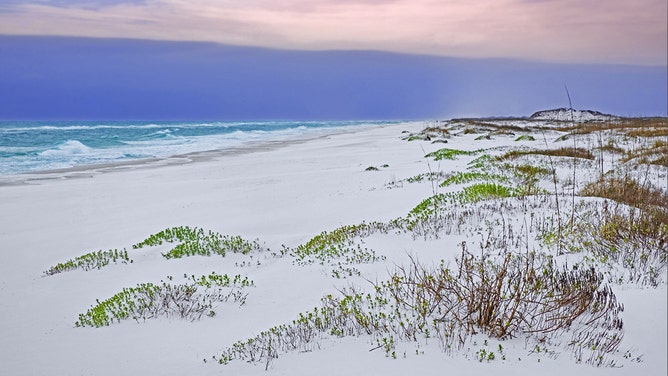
(329, 59)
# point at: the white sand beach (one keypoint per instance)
(281, 194)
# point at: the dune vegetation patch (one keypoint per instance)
(193, 241)
(467, 177)
(191, 300)
(560, 152)
(525, 137)
(656, 154)
(91, 260)
(633, 127)
(450, 154)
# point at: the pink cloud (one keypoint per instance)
(614, 31)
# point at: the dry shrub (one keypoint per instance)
(660, 161)
(631, 230)
(436, 130)
(612, 148)
(656, 154)
(652, 201)
(649, 132)
(634, 127)
(521, 295)
(561, 152)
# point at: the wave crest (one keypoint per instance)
(68, 148)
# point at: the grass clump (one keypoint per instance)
(190, 300)
(561, 152)
(470, 194)
(520, 295)
(467, 177)
(528, 177)
(429, 206)
(631, 241)
(656, 154)
(631, 230)
(195, 241)
(649, 132)
(91, 260)
(171, 235)
(530, 170)
(525, 137)
(633, 127)
(484, 191)
(339, 244)
(484, 161)
(449, 154)
(629, 191)
(431, 211)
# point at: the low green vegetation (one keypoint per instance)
(483, 191)
(469, 194)
(482, 162)
(92, 260)
(450, 154)
(467, 177)
(190, 300)
(195, 241)
(338, 244)
(527, 170)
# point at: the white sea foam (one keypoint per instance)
(69, 148)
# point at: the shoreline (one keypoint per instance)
(89, 170)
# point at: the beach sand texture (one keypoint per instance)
(283, 195)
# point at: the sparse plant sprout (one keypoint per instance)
(525, 137)
(434, 176)
(339, 244)
(92, 260)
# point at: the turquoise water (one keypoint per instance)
(40, 146)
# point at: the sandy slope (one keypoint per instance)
(282, 195)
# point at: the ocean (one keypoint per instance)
(41, 146)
